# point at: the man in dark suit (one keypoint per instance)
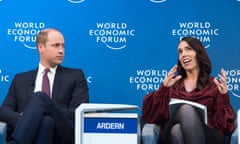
(36, 116)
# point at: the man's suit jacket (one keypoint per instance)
(69, 91)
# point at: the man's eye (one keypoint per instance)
(55, 45)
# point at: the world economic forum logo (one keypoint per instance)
(113, 35)
(76, 1)
(233, 81)
(147, 80)
(3, 76)
(25, 33)
(204, 31)
(158, 1)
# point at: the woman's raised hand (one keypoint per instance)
(170, 79)
(221, 83)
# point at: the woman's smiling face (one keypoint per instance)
(187, 56)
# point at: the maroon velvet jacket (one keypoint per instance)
(220, 113)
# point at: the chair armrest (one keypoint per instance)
(150, 133)
(3, 132)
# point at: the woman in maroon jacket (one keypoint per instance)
(192, 82)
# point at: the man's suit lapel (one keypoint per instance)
(32, 83)
(57, 81)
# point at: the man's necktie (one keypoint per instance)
(45, 82)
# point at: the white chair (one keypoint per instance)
(3, 132)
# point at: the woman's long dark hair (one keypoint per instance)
(203, 60)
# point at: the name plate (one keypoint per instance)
(111, 128)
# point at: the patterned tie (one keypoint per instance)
(45, 83)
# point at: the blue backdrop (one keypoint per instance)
(125, 47)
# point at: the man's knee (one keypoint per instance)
(48, 123)
(46, 131)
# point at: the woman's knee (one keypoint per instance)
(187, 108)
(176, 135)
(188, 115)
(176, 130)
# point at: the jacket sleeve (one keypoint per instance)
(155, 106)
(8, 110)
(77, 90)
(224, 117)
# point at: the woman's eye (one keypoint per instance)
(188, 48)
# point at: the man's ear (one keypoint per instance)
(41, 47)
